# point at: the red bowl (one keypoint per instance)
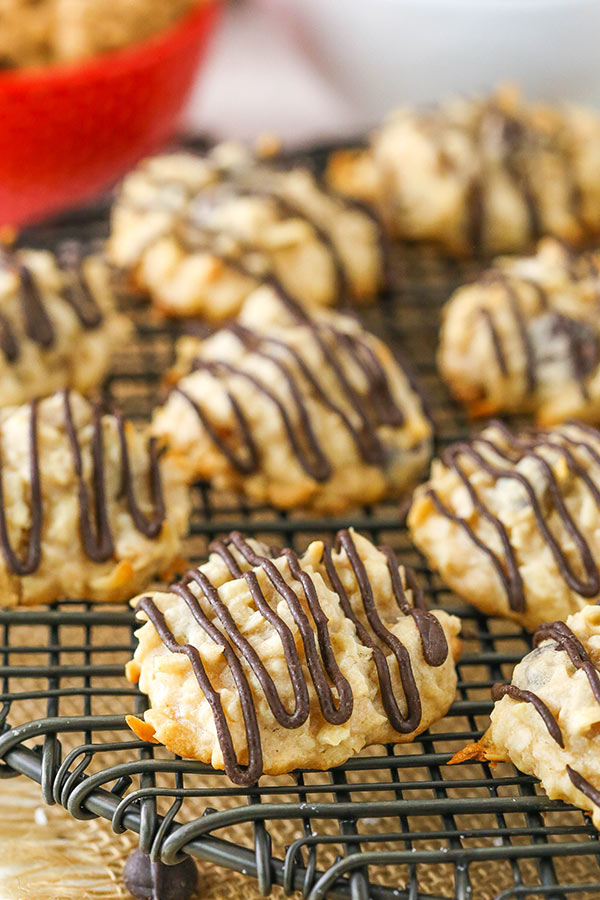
(69, 130)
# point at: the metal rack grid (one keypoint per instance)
(395, 822)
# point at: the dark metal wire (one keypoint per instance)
(428, 818)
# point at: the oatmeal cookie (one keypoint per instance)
(263, 659)
(525, 337)
(58, 324)
(199, 233)
(295, 410)
(87, 510)
(547, 720)
(512, 521)
(480, 175)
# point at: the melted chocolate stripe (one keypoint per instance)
(238, 775)
(346, 699)
(567, 641)
(94, 521)
(34, 547)
(378, 407)
(246, 464)
(318, 468)
(286, 719)
(496, 342)
(515, 693)
(342, 713)
(322, 670)
(402, 724)
(583, 344)
(96, 539)
(294, 211)
(83, 303)
(517, 448)
(583, 785)
(149, 527)
(288, 209)
(38, 325)
(364, 438)
(587, 588)
(8, 340)
(513, 299)
(433, 639)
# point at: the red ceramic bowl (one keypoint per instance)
(67, 131)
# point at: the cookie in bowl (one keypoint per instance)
(50, 31)
(525, 337)
(295, 410)
(512, 521)
(87, 508)
(546, 720)
(261, 660)
(200, 232)
(58, 323)
(481, 175)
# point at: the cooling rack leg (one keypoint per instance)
(148, 880)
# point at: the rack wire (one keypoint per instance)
(396, 822)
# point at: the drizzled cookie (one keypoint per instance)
(525, 337)
(270, 661)
(480, 175)
(58, 324)
(87, 510)
(295, 410)
(512, 521)
(199, 233)
(546, 721)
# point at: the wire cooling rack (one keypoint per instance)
(395, 822)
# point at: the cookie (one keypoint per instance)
(199, 233)
(295, 410)
(87, 510)
(58, 323)
(46, 31)
(546, 721)
(480, 175)
(525, 337)
(270, 661)
(512, 521)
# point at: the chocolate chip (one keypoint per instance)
(147, 880)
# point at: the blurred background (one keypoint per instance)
(314, 68)
(87, 87)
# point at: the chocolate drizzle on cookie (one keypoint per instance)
(37, 323)
(195, 232)
(94, 514)
(268, 588)
(369, 410)
(511, 449)
(516, 693)
(582, 342)
(566, 641)
(512, 144)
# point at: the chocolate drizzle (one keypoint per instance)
(37, 323)
(94, 518)
(516, 693)
(268, 588)
(514, 145)
(583, 345)
(566, 641)
(513, 450)
(260, 182)
(370, 410)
